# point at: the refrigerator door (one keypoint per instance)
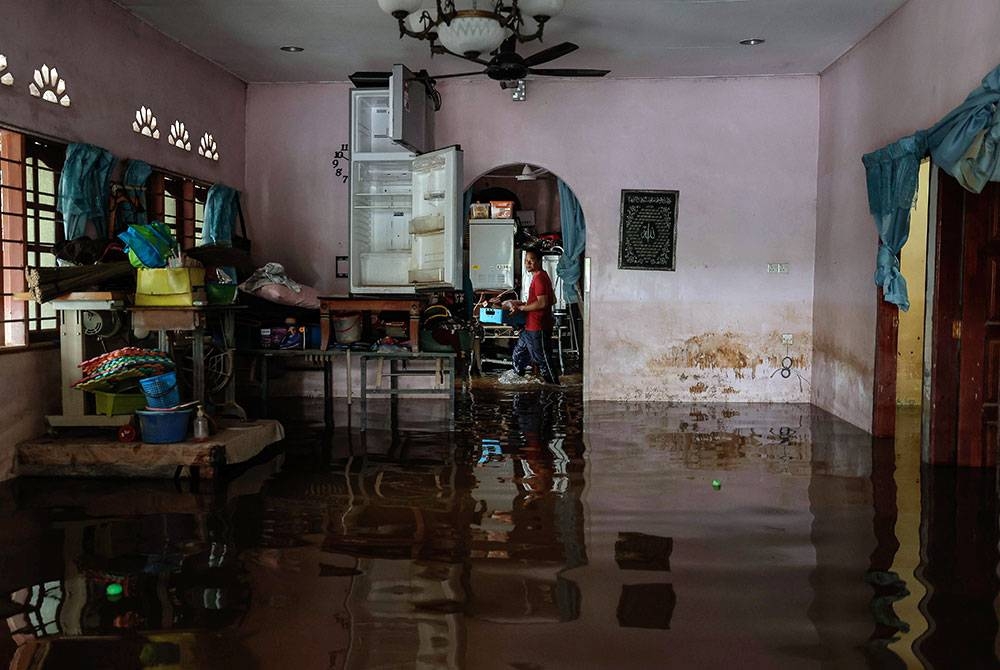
(411, 111)
(436, 226)
(492, 263)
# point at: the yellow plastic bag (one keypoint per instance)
(168, 287)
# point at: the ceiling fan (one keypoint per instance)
(508, 65)
(526, 174)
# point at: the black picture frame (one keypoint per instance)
(648, 230)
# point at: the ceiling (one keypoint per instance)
(632, 38)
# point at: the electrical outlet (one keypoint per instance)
(777, 268)
(786, 338)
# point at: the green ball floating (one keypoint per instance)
(716, 484)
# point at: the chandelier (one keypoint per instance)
(470, 32)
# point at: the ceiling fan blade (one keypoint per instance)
(551, 53)
(572, 72)
(457, 74)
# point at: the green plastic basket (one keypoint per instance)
(110, 404)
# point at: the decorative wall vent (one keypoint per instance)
(6, 78)
(179, 136)
(208, 147)
(49, 87)
(145, 123)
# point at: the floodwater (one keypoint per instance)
(544, 534)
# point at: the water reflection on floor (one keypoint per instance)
(542, 535)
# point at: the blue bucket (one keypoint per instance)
(164, 427)
(161, 391)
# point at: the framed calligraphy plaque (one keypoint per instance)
(648, 234)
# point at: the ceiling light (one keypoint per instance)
(471, 31)
(752, 42)
(292, 49)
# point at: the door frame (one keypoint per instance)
(946, 202)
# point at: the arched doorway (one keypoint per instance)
(545, 216)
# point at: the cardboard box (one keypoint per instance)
(501, 209)
(479, 210)
(169, 287)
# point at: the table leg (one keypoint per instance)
(414, 331)
(350, 382)
(364, 394)
(450, 363)
(263, 386)
(324, 328)
(198, 363)
(393, 396)
(327, 392)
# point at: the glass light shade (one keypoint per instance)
(390, 7)
(547, 8)
(472, 33)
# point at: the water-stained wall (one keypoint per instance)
(905, 76)
(741, 152)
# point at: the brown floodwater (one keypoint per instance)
(545, 533)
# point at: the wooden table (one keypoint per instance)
(415, 307)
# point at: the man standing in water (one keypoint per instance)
(531, 345)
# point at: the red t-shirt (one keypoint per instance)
(540, 319)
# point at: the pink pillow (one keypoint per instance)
(307, 298)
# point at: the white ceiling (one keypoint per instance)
(632, 38)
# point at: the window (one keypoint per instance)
(180, 203)
(31, 226)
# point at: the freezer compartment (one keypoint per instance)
(373, 123)
(427, 259)
(384, 268)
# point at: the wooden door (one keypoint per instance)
(966, 327)
(979, 340)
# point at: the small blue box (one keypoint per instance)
(490, 315)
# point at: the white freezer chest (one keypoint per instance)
(493, 263)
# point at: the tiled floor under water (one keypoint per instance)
(543, 534)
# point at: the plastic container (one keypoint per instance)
(201, 429)
(111, 404)
(164, 427)
(347, 327)
(220, 294)
(161, 391)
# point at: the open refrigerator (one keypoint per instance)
(406, 207)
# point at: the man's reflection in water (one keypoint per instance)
(547, 513)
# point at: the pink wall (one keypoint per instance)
(906, 75)
(112, 64)
(296, 205)
(742, 153)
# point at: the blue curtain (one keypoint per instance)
(85, 189)
(892, 187)
(134, 182)
(574, 239)
(220, 213)
(965, 144)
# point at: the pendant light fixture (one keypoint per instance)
(470, 31)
